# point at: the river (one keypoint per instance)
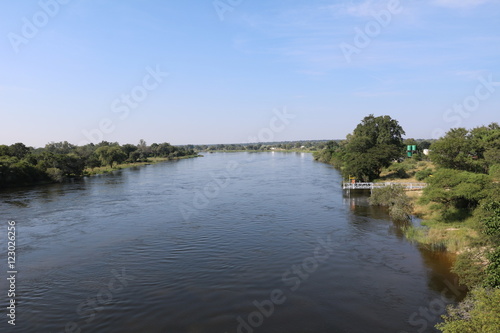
(231, 242)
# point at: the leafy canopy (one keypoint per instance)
(374, 144)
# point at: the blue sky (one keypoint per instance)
(66, 66)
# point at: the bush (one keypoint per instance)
(55, 174)
(479, 312)
(456, 192)
(394, 197)
(493, 270)
(399, 170)
(494, 171)
(422, 174)
(470, 268)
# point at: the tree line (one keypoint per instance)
(463, 188)
(22, 165)
(306, 145)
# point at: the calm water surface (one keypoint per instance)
(207, 245)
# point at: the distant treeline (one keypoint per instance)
(22, 165)
(308, 145)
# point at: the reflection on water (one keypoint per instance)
(216, 271)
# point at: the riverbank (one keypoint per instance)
(88, 172)
(454, 237)
(151, 160)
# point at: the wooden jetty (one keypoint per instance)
(371, 186)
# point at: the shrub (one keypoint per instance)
(493, 270)
(55, 174)
(479, 312)
(457, 192)
(394, 197)
(494, 171)
(470, 268)
(422, 174)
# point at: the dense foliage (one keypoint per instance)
(475, 150)
(22, 165)
(395, 198)
(479, 313)
(373, 145)
(465, 189)
(456, 193)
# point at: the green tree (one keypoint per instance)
(475, 150)
(110, 154)
(374, 144)
(4, 150)
(144, 149)
(128, 149)
(154, 149)
(93, 161)
(165, 149)
(456, 192)
(19, 150)
(326, 154)
(60, 147)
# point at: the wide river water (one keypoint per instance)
(233, 242)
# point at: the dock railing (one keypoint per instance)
(371, 186)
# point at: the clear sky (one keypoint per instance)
(73, 67)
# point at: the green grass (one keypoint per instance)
(453, 237)
(410, 168)
(151, 160)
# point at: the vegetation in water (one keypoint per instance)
(393, 197)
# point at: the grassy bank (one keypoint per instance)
(455, 237)
(151, 160)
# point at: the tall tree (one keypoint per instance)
(475, 150)
(111, 154)
(19, 150)
(374, 144)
